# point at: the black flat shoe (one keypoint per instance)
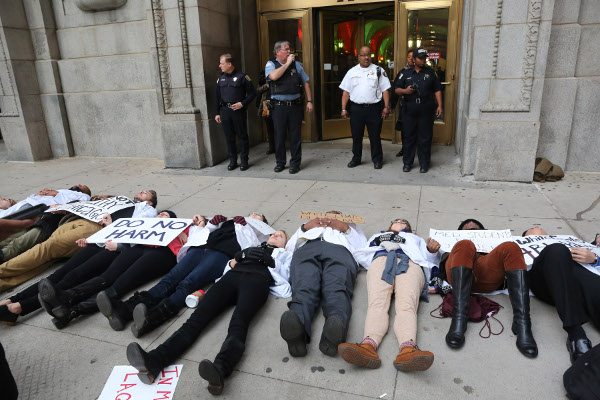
(353, 164)
(406, 168)
(423, 170)
(278, 168)
(231, 167)
(578, 347)
(209, 372)
(294, 170)
(6, 317)
(140, 360)
(293, 332)
(244, 167)
(377, 165)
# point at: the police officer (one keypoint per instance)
(287, 78)
(419, 85)
(365, 85)
(234, 92)
(398, 98)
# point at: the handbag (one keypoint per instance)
(582, 379)
(480, 308)
(266, 108)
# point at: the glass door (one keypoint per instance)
(434, 26)
(343, 32)
(295, 27)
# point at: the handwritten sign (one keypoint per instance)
(150, 231)
(347, 218)
(94, 210)
(485, 241)
(123, 384)
(532, 246)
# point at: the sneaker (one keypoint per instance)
(293, 332)
(333, 334)
(413, 359)
(363, 355)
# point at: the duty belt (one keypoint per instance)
(419, 100)
(286, 103)
(366, 104)
(223, 104)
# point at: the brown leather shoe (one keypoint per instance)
(363, 355)
(413, 359)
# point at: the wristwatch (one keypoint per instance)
(388, 107)
(309, 101)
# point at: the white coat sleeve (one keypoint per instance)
(65, 196)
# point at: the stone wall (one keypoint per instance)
(570, 117)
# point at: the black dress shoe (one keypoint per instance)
(294, 170)
(6, 317)
(244, 167)
(406, 168)
(577, 348)
(424, 170)
(231, 167)
(210, 373)
(353, 164)
(278, 168)
(377, 165)
(400, 153)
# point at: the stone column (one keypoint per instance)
(21, 116)
(503, 75)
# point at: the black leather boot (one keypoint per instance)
(462, 279)
(146, 365)
(145, 319)
(118, 312)
(518, 291)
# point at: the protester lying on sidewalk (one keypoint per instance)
(469, 271)
(62, 243)
(45, 226)
(201, 265)
(399, 262)
(569, 279)
(245, 285)
(323, 271)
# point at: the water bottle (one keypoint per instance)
(193, 299)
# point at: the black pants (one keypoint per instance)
(132, 268)
(86, 264)
(248, 292)
(270, 133)
(288, 120)
(558, 280)
(7, 382)
(234, 124)
(369, 116)
(323, 274)
(417, 122)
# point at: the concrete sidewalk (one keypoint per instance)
(75, 362)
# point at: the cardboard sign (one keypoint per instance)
(532, 246)
(123, 384)
(485, 240)
(150, 231)
(94, 210)
(347, 218)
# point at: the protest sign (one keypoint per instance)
(123, 384)
(347, 218)
(149, 231)
(261, 229)
(484, 240)
(94, 210)
(533, 245)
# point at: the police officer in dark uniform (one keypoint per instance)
(287, 78)
(419, 85)
(399, 99)
(234, 92)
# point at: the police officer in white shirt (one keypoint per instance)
(365, 85)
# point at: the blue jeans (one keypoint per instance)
(196, 269)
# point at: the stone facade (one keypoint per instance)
(120, 78)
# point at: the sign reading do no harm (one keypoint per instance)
(149, 231)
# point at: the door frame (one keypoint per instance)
(309, 124)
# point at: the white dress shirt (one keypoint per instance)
(144, 210)
(353, 240)
(364, 86)
(63, 196)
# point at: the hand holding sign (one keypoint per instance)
(583, 255)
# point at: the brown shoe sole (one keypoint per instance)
(354, 356)
(417, 363)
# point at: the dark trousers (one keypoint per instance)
(323, 274)
(84, 265)
(558, 280)
(248, 292)
(270, 133)
(234, 124)
(133, 267)
(369, 116)
(288, 120)
(7, 382)
(417, 124)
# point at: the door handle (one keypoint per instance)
(446, 83)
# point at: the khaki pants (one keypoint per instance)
(408, 287)
(37, 259)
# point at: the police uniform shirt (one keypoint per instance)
(270, 67)
(233, 82)
(363, 84)
(426, 80)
